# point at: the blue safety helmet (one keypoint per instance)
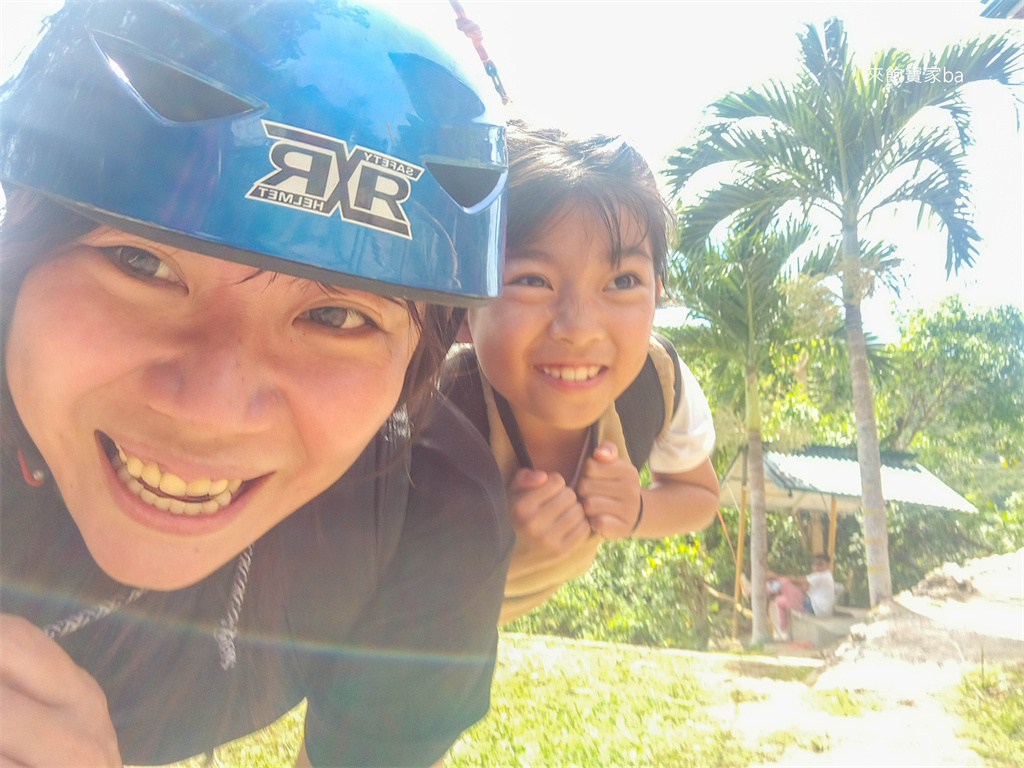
(331, 140)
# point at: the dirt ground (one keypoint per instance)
(900, 665)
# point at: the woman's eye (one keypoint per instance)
(625, 281)
(338, 318)
(138, 261)
(530, 281)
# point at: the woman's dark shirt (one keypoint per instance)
(377, 602)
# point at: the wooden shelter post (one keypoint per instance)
(740, 538)
(833, 518)
(817, 534)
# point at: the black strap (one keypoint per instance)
(641, 407)
(508, 421)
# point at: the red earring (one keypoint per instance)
(34, 477)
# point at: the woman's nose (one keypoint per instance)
(217, 373)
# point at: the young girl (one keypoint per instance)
(229, 231)
(565, 378)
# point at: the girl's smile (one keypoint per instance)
(185, 405)
(573, 374)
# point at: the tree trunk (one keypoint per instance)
(758, 515)
(701, 625)
(876, 535)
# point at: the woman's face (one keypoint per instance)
(185, 405)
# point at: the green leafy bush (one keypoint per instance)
(644, 592)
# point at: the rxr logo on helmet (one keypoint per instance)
(316, 173)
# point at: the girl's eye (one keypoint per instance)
(625, 281)
(529, 281)
(140, 262)
(339, 318)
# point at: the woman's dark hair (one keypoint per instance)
(549, 170)
(35, 226)
(32, 227)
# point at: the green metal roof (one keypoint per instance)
(811, 478)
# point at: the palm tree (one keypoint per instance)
(734, 295)
(847, 143)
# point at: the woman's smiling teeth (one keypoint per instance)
(572, 372)
(166, 491)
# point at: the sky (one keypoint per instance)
(647, 70)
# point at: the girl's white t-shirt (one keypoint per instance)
(690, 436)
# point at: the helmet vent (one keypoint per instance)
(467, 186)
(166, 88)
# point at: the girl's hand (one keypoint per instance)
(547, 517)
(610, 490)
(54, 712)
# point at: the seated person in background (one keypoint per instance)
(814, 593)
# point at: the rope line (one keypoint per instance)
(225, 636)
(228, 631)
(725, 530)
(76, 621)
(472, 30)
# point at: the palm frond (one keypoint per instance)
(943, 76)
(777, 114)
(960, 115)
(756, 197)
(759, 127)
(828, 72)
(878, 260)
(943, 191)
(997, 58)
(931, 146)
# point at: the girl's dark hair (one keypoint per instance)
(549, 169)
(35, 226)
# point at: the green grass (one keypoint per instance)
(845, 703)
(564, 703)
(559, 702)
(814, 742)
(751, 665)
(991, 703)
